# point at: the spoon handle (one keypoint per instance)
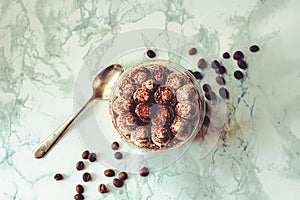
(41, 150)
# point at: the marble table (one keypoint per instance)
(44, 44)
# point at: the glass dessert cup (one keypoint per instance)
(156, 106)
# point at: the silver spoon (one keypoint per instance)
(102, 86)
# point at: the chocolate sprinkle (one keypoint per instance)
(226, 55)
(254, 48)
(238, 75)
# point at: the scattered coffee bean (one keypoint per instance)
(78, 197)
(254, 48)
(242, 64)
(144, 171)
(202, 63)
(122, 176)
(58, 177)
(85, 154)
(220, 80)
(210, 95)
(193, 51)
(92, 157)
(117, 182)
(238, 75)
(109, 173)
(224, 93)
(215, 64)
(80, 165)
(221, 70)
(86, 177)
(197, 75)
(102, 188)
(118, 155)
(206, 87)
(238, 55)
(206, 121)
(115, 146)
(151, 54)
(79, 189)
(226, 55)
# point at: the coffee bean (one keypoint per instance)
(102, 188)
(193, 51)
(242, 64)
(226, 55)
(78, 197)
(215, 64)
(86, 177)
(210, 95)
(238, 55)
(122, 176)
(92, 157)
(85, 154)
(118, 155)
(79, 189)
(144, 171)
(224, 93)
(238, 74)
(58, 177)
(220, 80)
(221, 70)
(80, 165)
(206, 87)
(109, 173)
(202, 63)
(254, 48)
(151, 54)
(117, 182)
(206, 121)
(197, 75)
(115, 146)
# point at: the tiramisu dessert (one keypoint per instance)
(156, 106)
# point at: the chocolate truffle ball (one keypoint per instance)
(181, 128)
(125, 88)
(174, 81)
(186, 93)
(160, 135)
(163, 115)
(121, 105)
(163, 95)
(126, 122)
(149, 84)
(159, 73)
(141, 95)
(141, 136)
(186, 109)
(142, 110)
(140, 75)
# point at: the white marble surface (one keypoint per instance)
(44, 43)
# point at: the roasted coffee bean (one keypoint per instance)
(151, 54)
(144, 171)
(202, 63)
(102, 188)
(238, 55)
(206, 121)
(215, 64)
(242, 64)
(193, 51)
(79, 189)
(206, 87)
(109, 173)
(117, 182)
(115, 146)
(78, 197)
(221, 70)
(226, 55)
(122, 176)
(210, 95)
(58, 177)
(220, 80)
(86, 177)
(254, 48)
(118, 155)
(80, 165)
(85, 154)
(197, 75)
(224, 93)
(238, 74)
(92, 157)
